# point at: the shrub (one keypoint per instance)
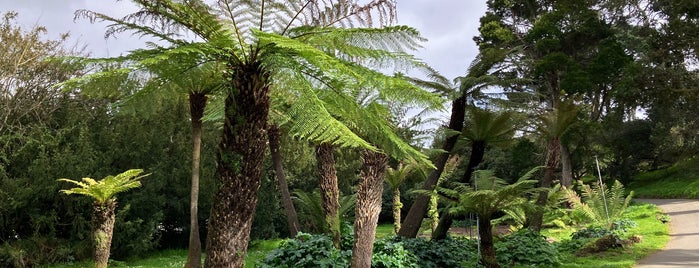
(450, 252)
(307, 250)
(596, 239)
(389, 253)
(526, 247)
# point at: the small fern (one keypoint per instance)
(601, 205)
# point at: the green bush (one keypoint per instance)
(389, 253)
(307, 250)
(310, 250)
(450, 252)
(526, 248)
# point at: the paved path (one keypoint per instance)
(683, 249)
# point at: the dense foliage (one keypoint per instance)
(625, 72)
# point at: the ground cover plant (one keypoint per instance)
(521, 249)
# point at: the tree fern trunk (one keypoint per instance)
(289, 210)
(566, 167)
(413, 220)
(103, 222)
(329, 191)
(485, 231)
(553, 148)
(368, 206)
(197, 102)
(397, 206)
(239, 167)
(477, 153)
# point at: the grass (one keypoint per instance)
(678, 181)
(653, 232)
(176, 258)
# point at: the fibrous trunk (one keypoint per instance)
(239, 166)
(485, 231)
(477, 153)
(397, 205)
(289, 210)
(566, 167)
(413, 220)
(103, 224)
(368, 206)
(329, 191)
(197, 102)
(553, 148)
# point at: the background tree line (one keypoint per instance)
(608, 58)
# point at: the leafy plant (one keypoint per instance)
(493, 195)
(448, 252)
(103, 216)
(390, 253)
(526, 247)
(307, 250)
(599, 204)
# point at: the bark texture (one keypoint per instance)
(445, 222)
(397, 206)
(368, 206)
(553, 148)
(329, 191)
(103, 222)
(289, 210)
(239, 166)
(485, 231)
(566, 167)
(197, 102)
(413, 220)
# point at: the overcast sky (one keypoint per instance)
(449, 26)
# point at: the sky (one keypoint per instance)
(449, 26)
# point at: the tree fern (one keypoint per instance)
(104, 190)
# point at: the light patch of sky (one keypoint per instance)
(449, 26)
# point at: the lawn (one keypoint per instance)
(653, 232)
(678, 181)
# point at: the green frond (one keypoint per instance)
(396, 177)
(372, 124)
(487, 126)
(105, 189)
(557, 122)
(308, 118)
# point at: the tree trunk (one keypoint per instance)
(289, 210)
(397, 206)
(197, 102)
(368, 206)
(485, 231)
(413, 220)
(103, 222)
(329, 190)
(553, 148)
(239, 167)
(566, 167)
(477, 153)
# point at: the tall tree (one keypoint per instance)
(483, 128)
(463, 87)
(274, 147)
(552, 126)
(258, 41)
